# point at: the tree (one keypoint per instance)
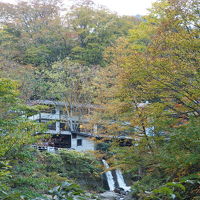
(70, 82)
(36, 34)
(95, 28)
(15, 130)
(44, 35)
(165, 73)
(152, 85)
(41, 36)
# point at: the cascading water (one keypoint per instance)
(109, 177)
(120, 179)
(121, 182)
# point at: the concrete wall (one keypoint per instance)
(87, 144)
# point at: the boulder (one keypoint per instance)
(120, 191)
(109, 195)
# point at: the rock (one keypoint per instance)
(109, 196)
(47, 196)
(120, 191)
(117, 190)
(129, 197)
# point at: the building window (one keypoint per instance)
(64, 127)
(63, 111)
(53, 111)
(75, 126)
(79, 142)
(52, 126)
(84, 127)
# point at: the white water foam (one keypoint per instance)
(121, 182)
(109, 177)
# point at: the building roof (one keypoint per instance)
(62, 103)
(122, 137)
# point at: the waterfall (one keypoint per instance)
(121, 182)
(120, 179)
(109, 177)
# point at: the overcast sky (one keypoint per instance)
(127, 7)
(123, 7)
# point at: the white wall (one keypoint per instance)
(87, 144)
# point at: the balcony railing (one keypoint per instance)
(50, 116)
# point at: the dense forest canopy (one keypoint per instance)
(142, 71)
(36, 34)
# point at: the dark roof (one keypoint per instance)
(61, 103)
(122, 137)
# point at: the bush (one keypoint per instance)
(34, 173)
(83, 168)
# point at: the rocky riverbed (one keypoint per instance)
(109, 195)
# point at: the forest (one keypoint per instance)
(142, 73)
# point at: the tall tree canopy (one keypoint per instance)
(150, 91)
(36, 34)
(43, 32)
(15, 130)
(143, 72)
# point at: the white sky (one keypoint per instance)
(127, 7)
(122, 7)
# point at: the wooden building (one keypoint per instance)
(67, 125)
